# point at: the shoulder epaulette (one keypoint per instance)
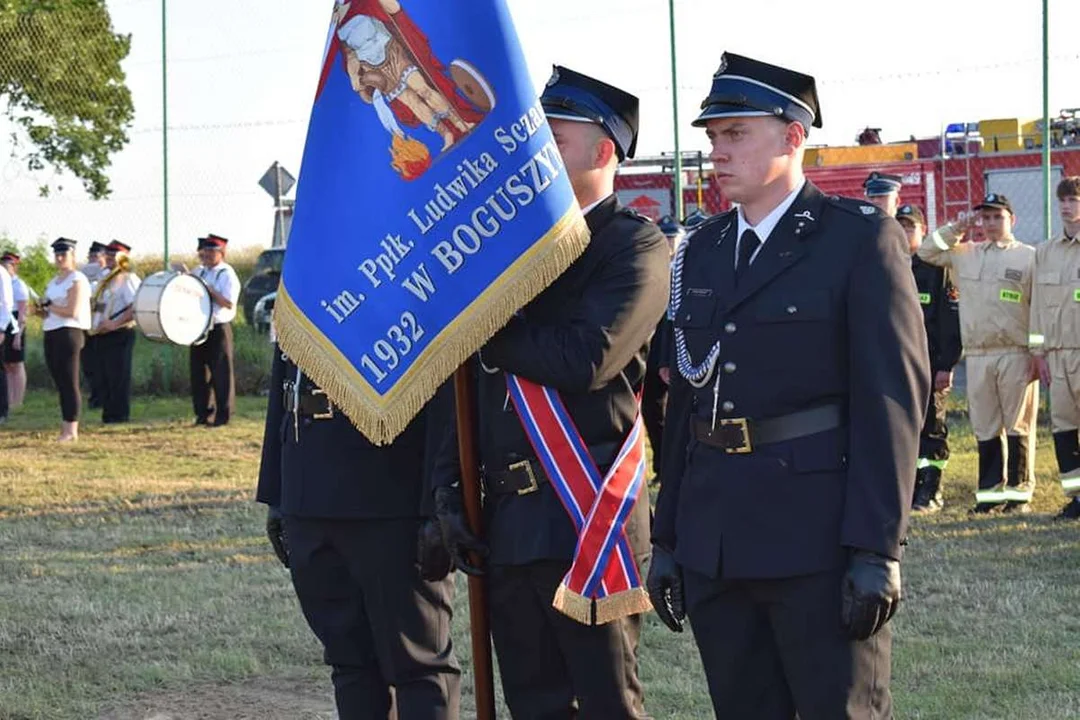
(719, 219)
(855, 206)
(631, 212)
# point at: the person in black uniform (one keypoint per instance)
(883, 191)
(658, 365)
(89, 358)
(940, 303)
(793, 421)
(345, 517)
(586, 336)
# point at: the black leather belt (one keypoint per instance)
(740, 435)
(526, 476)
(311, 402)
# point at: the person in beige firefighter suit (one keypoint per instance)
(995, 279)
(1055, 338)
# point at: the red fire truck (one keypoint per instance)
(942, 175)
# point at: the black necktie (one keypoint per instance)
(748, 245)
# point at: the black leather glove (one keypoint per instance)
(456, 536)
(665, 587)
(870, 594)
(275, 530)
(431, 555)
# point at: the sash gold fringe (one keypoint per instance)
(382, 418)
(604, 610)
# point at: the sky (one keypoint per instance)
(242, 76)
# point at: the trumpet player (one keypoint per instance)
(113, 326)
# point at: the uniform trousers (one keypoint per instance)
(385, 631)
(1065, 415)
(115, 350)
(774, 648)
(1064, 389)
(555, 668)
(90, 363)
(1001, 394)
(62, 347)
(212, 371)
(3, 375)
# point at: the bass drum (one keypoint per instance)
(174, 307)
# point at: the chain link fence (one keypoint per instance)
(943, 175)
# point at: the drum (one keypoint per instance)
(174, 307)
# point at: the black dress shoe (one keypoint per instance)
(1071, 511)
(1014, 507)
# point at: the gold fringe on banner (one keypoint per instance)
(588, 611)
(381, 418)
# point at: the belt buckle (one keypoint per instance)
(742, 426)
(533, 486)
(319, 392)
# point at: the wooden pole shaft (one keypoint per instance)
(484, 683)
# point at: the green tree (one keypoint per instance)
(60, 76)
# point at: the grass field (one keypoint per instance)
(135, 582)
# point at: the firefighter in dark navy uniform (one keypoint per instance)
(352, 523)
(793, 421)
(883, 191)
(585, 337)
(940, 301)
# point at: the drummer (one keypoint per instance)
(114, 328)
(212, 361)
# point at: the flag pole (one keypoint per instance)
(483, 678)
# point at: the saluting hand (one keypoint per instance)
(665, 587)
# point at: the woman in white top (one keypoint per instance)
(66, 307)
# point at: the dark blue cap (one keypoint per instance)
(669, 226)
(743, 87)
(879, 183)
(63, 244)
(694, 219)
(572, 96)
(996, 200)
(213, 242)
(96, 247)
(912, 213)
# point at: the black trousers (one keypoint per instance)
(934, 438)
(552, 667)
(653, 404)
(4, 407)
(90, 363)
(62, 347)
(212, 371)
(385, 631)
(115, 351)
(774, 648)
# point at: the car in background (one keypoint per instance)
(262, 316)
(263, 281)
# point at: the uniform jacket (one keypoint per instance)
(333, 471)
(940, 301)
(586, 336)
(1055, 298)
(826, 314)
(995, 283)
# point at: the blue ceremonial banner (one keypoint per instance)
(432, 204)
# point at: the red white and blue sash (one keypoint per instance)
(603, 575)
